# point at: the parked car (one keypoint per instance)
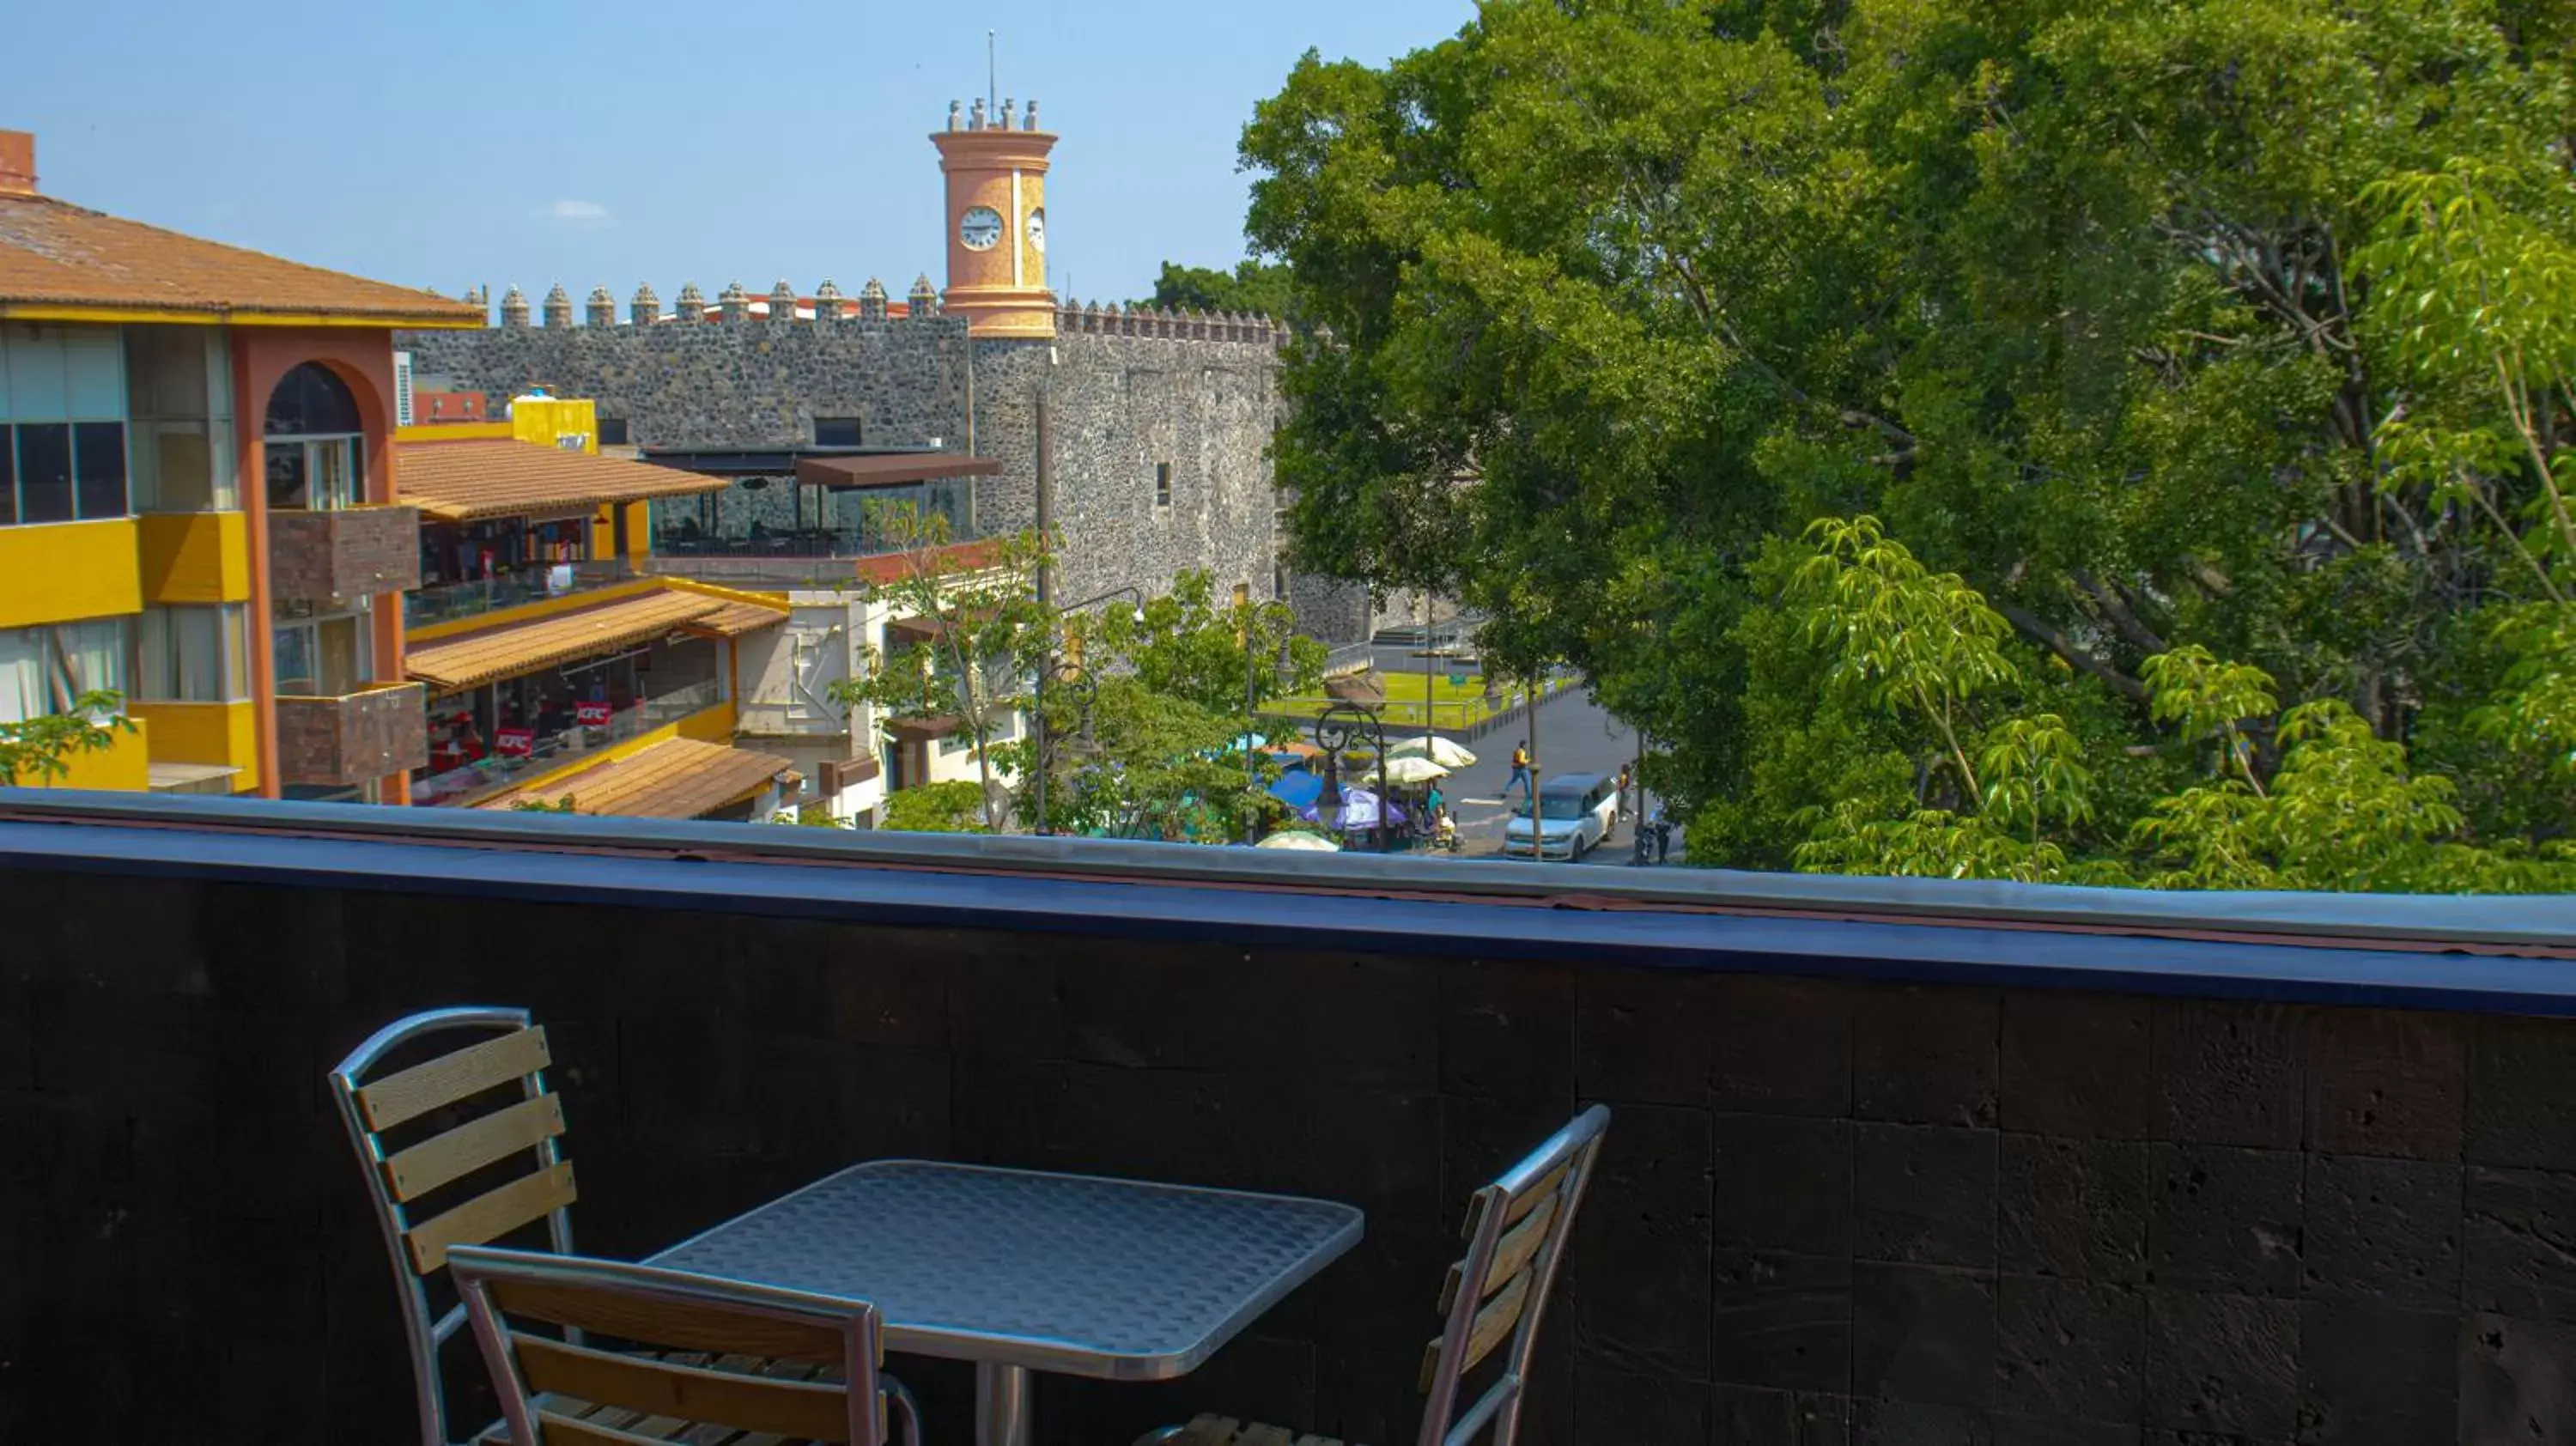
(1575, 814)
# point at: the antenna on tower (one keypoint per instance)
(992, 76)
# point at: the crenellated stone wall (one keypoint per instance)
(1129, 390)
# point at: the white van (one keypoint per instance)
(1576, 811)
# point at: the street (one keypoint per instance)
(1574, 736)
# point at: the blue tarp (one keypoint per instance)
(1297, 788)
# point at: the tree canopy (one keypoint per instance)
(1259, 287)
(2034, 438)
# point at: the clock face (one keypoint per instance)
(1037, 228)
(979, 228)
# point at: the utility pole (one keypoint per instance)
(1251, 705)
(1535, 820)
(1427, 650)
(1046, 591)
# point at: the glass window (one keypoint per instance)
(36, 390)
(87, 657)
(22, 675)
(193, 655)
(93, 373)
(1162, 484)
(612, 431)
(98, 468)
(179, 441)
(174, 468)
(44, 472)
(298, 672)
(836, 431)
(285, 474)
(8, 475)
(325, 657)
(311, 401)
(328, 468)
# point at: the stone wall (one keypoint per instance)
(379, 731)
(1127, 391)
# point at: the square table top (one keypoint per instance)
(1074, 1274)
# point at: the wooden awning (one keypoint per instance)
(508, 651)
(492, 477)
(916, 730)
(896, 469)
(735, 619)
(676, 778)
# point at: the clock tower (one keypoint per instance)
(996, 174)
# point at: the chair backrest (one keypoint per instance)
(726, 1355)
(459, 1148)
(1493, 1298)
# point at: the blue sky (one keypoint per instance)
(593, 142)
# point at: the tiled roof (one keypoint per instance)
(498, 477)
(676, 778)
(53, 253)
(956, 557)
(735, 619)
(514, 648)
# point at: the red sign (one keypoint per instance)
(514, 742)
(590, 715)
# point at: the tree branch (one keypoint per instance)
(2115, 606)
(2056, 641)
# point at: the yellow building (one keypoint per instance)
(197, 507)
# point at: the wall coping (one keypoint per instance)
(2484, 954)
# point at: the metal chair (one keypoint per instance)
(502, 1127)
(1516, 1230)
(725, 1357)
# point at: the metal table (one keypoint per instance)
(1021, 1271)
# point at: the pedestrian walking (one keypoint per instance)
(1520, 771)
(1627, 808)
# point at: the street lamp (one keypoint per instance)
(1336, 728)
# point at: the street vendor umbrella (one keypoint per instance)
(1247, 742)
(1298, 839)
(1410, 768)
(1297, 788)
(1359, 810)
(1439, 750)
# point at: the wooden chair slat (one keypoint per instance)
(444, 1158)
(1492, 1325)
(576, 1431)
(1543, 1188)
(1518, 1245)
(728, 1335)
(491, 1215)
(409, 1094)
(682, 1394)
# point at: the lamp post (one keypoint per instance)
(1336, 728)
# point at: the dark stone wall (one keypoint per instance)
(360, 551)
(370, 734)
(1202, 397)
(1827, 1211)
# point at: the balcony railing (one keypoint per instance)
(446, 602)
(1908, 1159)
(484, 778)
(372, 733)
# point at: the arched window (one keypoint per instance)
(315, 441)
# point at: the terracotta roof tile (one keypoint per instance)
(498, 477)
(676, 778)
(53, 253)
(954, 558)
(515, 648)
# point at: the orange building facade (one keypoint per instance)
(219, 544)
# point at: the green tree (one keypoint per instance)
(987, 635)
(1149, 743)
(1259, 287)
(2238, 326)
(957, 806)
(40, 750)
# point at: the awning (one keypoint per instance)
(735, 619)
(916, 730)
(470, 480)
(675, 778)
(506, 652)
(899, 469)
